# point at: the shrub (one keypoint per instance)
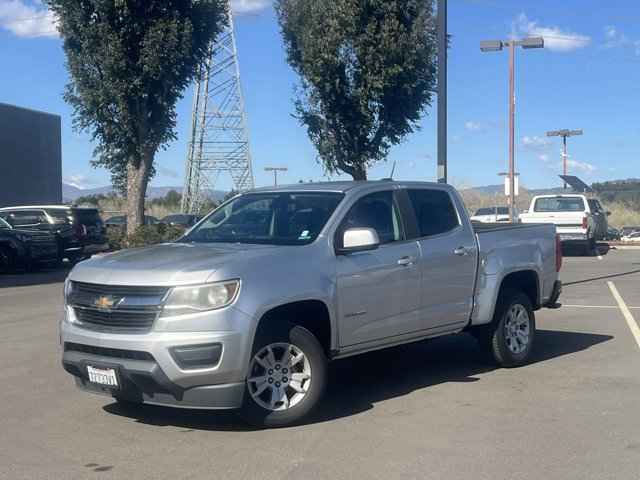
(145, 235)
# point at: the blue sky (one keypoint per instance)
(587, 77)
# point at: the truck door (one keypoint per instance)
(378, 290)
(448, 258)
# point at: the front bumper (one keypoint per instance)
(146, 368)
(144, 381)
(573, 237)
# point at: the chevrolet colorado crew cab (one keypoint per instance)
(247, 308)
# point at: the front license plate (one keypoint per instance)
(103, 376)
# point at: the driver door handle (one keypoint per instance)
(406, 261)
(461, 251)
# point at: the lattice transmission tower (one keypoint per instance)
(219, 141)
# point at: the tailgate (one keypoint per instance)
(560, 219)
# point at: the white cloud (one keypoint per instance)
(248, 7)
(472, 126)
(614, 38)
(543, 157)
(27, 20)
(30, 19)
(535, 143)
(79, 181)
(555, 39)
(583, 167)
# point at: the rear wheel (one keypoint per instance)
(509, 338)
(287, 377)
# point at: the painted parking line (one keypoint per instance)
(614, 307)
(633, 325)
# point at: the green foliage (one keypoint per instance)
(129, 62)
(624, 191)
(143, 236)
(367, 71)
(171, 200)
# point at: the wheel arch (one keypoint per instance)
(312, 314)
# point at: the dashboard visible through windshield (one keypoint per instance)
(278, 218)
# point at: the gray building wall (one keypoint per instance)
(30, 157)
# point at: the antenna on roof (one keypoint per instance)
(393, 170)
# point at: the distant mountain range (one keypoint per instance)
(71, 193)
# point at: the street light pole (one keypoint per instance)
(512, 121)
(442, 91)
(496, 46)
(564, 134)
(275, 171)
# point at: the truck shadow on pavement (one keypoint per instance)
(357, 384)
(41, 277)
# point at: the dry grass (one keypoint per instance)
(623, 214)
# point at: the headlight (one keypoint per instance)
(200, 298)
(68, 289)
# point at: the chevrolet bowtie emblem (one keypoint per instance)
(106, 302)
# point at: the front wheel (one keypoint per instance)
(513, 329)
(287, 377)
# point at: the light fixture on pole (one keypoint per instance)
(275, 171)
(496, 46)
(564, 134)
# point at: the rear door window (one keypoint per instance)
(434, 210)
(27, 218)
(378, 211)
(559, 204)
(87, 217)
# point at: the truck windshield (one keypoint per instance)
(559, 204)
(279, 218)
(493, 211)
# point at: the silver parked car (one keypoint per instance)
(246, 309)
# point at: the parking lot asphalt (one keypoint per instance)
(430, 410)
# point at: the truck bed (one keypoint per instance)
(480, 228)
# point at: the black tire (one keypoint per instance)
(125, 403)
(305, 341)
(7, 260)
(497, 339)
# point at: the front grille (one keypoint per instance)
(116, 321)
(108, 352)
(116, 308)
(98, 289)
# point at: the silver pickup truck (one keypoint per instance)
(247, 308)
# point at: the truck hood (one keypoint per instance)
(165, 264)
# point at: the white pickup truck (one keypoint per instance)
(578, 219)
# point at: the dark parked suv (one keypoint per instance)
(20, 248)
(79, 231)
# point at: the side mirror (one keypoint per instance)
(359, 240)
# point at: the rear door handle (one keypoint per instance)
(461, 251)
(406, 261)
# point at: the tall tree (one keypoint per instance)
(367, 70)
(129, 62)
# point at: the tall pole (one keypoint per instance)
(442, 91)
(275, 171)
(565, 133)
(512, 114)
(564, 158)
